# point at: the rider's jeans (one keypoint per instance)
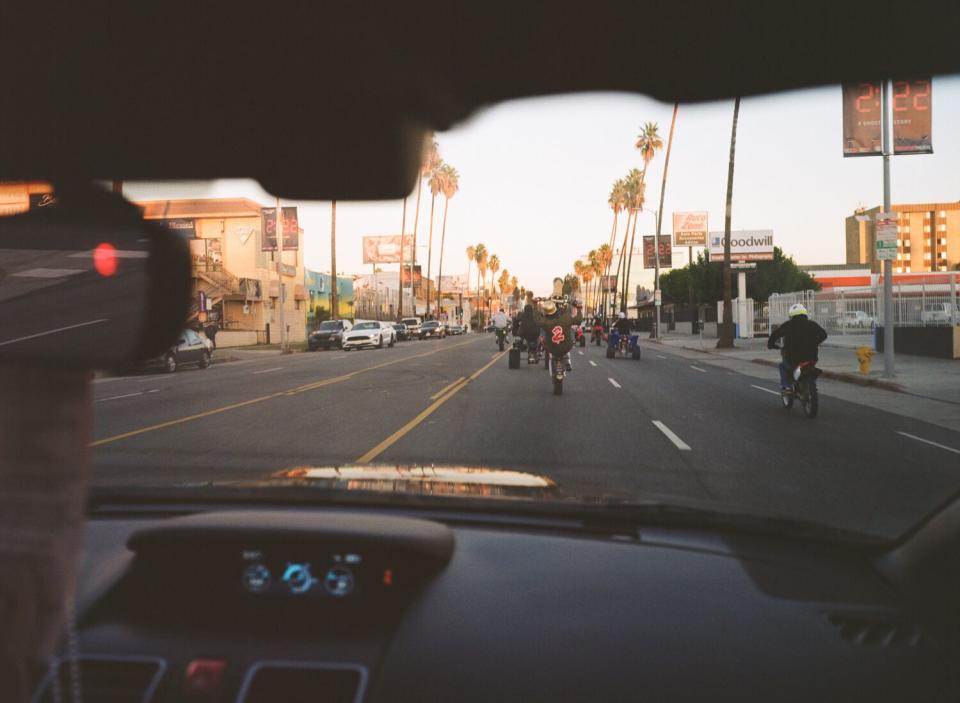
(786, 374)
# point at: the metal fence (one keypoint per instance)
(859, 311)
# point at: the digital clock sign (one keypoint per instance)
(862, 114)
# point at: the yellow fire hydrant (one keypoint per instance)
(864, 354)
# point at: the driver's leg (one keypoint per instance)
(786, 375)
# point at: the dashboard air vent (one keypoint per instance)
(300, 682)
(106, 680)
(876, 631)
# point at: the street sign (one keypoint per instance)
(291, 228)
(666, 252)
(912, 122)
(657, 297)
(745, 245)
(690, 229)
(886, 241)
(743, 265)
(861, 119)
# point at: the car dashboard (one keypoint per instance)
(327, 604)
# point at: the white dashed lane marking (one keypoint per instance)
(927, 441)
(614, 383)
(671, 435)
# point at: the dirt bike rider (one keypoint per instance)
(597, 328)
(622, 325)
(801, 337)
(556, 318)
(500, 323)
(529, 331)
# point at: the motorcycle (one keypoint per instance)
(558, 371)
(501, 337)
(596, 336)
(804, 388)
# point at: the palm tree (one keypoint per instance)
(504, 282)
(663, 188)
(616, 201)
(638, 192)
(632, 192)
(514, 289)
(493, 265)
(450, 184)
(726, 331)
(604, 259)
(435, 182)
(648, 143)
(428, 162)
(471, 252)
(480, 254)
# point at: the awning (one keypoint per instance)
(299, 292)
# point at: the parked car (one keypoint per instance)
(328, 334)
(369, 334)
(401, 330)
(190, 349)
(937, 313)
(855, 318)
(432, 328)
(413, 325)
(455, 329)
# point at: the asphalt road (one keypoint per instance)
(666, 427)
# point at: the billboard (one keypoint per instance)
(609, 284)
(745, 245)
(861, 119)
(912, 102)
(666, 252)
(386, 249)
(291, 228)
(453, 284)
(690, 229)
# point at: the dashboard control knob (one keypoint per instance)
(338, 581)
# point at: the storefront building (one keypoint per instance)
(234, 275)
(318, 297)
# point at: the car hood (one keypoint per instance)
(360, 333)
(409, 479)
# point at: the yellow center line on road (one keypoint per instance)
(269, 396)
(446, 388)
(427, 412)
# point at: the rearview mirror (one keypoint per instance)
(86, 282)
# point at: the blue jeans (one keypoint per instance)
(786, 374)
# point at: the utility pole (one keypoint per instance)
(280, 296)
(333, 261)
(888, 314)
(403, 229)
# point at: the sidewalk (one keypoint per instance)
(937, 379)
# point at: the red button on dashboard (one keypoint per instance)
(203, 677)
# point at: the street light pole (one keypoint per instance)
(888, 320)
(280, 297)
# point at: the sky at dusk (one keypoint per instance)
(535, 176)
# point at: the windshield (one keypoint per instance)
(680, 402)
